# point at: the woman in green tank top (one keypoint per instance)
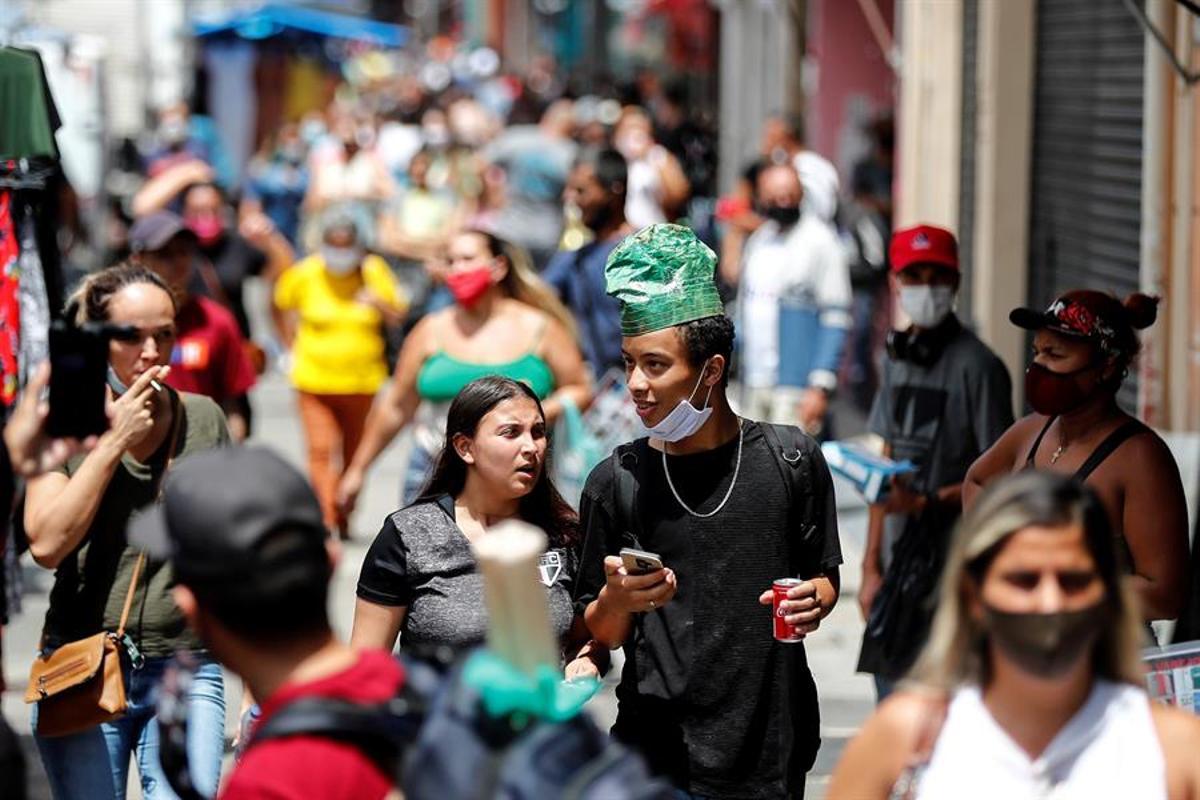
(505, 321)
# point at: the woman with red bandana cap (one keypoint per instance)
(504, 321)
(1083, 346)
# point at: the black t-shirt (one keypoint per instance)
(234, 259)
(422, 560)
(705, 691)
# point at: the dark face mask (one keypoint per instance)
(599, 218)
(785, 216)
(1055, 393)
(1046, 645)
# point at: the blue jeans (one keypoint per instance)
(420, 463)
(94, 764)
(883, 688)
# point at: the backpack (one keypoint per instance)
(801, 466)
(438, 742)
(463, 753)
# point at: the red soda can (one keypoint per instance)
(783, 631)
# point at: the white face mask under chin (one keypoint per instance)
(341, 260)
(925, 305)
(685, 419)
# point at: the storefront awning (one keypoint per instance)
(274, 20)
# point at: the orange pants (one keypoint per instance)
(333, 425)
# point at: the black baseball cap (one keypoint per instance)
(240, 520)
(153, 231)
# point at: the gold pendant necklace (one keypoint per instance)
(1058, 453)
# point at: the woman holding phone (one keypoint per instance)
(76, 518)
(420, 576)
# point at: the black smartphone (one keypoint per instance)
(78, 372)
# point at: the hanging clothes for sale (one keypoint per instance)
(31, 179)
(10, 310)
(33, 299)
(30, 120)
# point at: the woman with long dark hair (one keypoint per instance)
(420, 578)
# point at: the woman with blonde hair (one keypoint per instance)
(505, 321)
(1031, 682)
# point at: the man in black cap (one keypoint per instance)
(210, 355)
(253, 561)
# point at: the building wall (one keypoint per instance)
(1002, 150)
(1170, 362)
(850, 81)
(760, 52)
(928, 117)
(146, 57)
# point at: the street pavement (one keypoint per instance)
(846, 698)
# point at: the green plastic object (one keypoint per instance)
(662, 276)
(507, 691)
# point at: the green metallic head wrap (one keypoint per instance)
(662, 276)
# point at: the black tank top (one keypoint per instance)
(1105, 449)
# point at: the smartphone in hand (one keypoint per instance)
(78, 366)
(639, 562)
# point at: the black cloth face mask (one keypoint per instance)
(1053, 394)
(785, 216)
(1046, 645)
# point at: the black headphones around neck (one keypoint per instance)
(921, 347)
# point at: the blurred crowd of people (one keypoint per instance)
(373, 222)
(473, 272)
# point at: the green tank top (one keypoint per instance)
(443, 376)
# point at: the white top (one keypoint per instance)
(820, 181)
(1110, 748)
(643, 194)
(804, 265)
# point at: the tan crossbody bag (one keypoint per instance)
(81, 684)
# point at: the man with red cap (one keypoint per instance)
(944, 398)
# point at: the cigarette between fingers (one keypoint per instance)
(155, 385)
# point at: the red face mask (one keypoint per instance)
(207, 229)
(470, 285)
(1053, 393)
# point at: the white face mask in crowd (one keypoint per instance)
(685, 419)
(341, 260)
(926, 305)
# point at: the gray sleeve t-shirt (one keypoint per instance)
(941, 416)
(422, 560)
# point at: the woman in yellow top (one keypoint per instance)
(505, 321)
(337, 302)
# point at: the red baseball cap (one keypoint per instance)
(923, 244)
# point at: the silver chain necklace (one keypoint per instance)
(737, 466)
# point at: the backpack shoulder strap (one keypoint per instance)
(381, 731)
(328, 716)
(628, 474)
(792, 453)
(787, 444)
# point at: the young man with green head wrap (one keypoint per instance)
(708, 695)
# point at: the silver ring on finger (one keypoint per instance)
(652, 606)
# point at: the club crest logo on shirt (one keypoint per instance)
(549, 567)
(191, 354)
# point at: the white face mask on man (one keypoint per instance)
(341, 260)
(685, 419)
(927, 305)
